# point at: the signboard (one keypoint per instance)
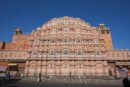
(122, 63)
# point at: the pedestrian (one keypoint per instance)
(39, 77)
(21, 75)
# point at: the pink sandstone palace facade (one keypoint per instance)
(65, 46)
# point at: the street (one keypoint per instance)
(62, 83)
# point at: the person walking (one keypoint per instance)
(39, 77)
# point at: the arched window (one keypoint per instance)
(53, 41)
(80, 65)
(123, 55)
(1, 54)
(97, 53)
(36, 41)
(34, 52)
(117, 54)
(65, 65)
(11, 54)
(88, 32)
(96, 41)
(53, 31)
(51, 65)
(66, 52)
(79, 52)
(113, 55)
(78, 40)
(66, 40)
(78, 30)
(52, 52)
(128, 55)
(99, 66)
(65, 30)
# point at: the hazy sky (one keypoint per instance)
(30, 14)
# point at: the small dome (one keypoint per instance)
(17, 29)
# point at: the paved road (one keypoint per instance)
(62, 83)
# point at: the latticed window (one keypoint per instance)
(117, 54)
(128, 55)
(1, 54)
(51, 66)
(53, 41)
(97, 53)
(52, 52)
(66, 52)
(79, 52)
(10, 54)
(34, 52)
(65, 40)
(65, 30)
(78, 40)
(96, 41)
(113, 54)
(65, 65)
(123, 54)
(53, 31)
(99, 66)
(35, 41)
(78, 30)
(103, 32)
(80, 65)
(107, 32)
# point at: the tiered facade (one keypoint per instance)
(67, 46)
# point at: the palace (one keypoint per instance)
(62, 47)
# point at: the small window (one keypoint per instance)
(103, 32)
(113, 55)
(65, 51)
(53, 41)
(65, 40)
(53, 52)
(78, 30)
(53, 31)
(78, 41)
(65, 65)
(128, 55)
(80, 66)
(107, 31)
(51, 66)
(123, 55)
(96, 41)
(79, 52)
(97, 53)
(118, 55)
(65, 30)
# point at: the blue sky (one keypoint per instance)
(29, 14)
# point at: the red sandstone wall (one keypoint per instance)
(0, 45)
